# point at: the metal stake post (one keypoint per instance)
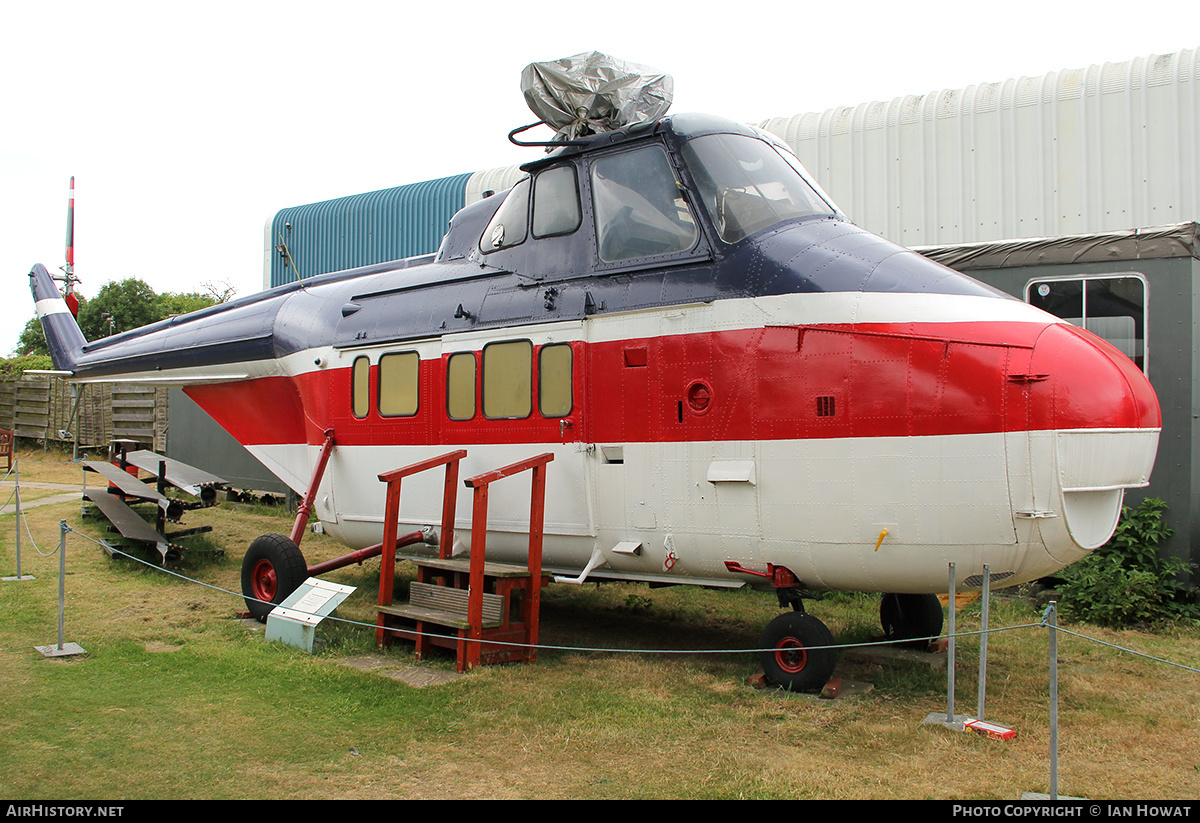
(17, 521)
(950, 653)
(983, 638)
(62, 649)
(950, 720)
(1051, 620)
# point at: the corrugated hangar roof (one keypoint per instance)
(361, 229)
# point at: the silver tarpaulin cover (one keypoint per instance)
(592, 93)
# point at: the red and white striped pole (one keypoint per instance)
(69, 295)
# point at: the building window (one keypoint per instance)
(360, 387)
(460, 386)
(554, 380)
(398, 384)
(1112, 307)
(507, 379)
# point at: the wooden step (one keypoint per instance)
(463, 566)
(445, 606)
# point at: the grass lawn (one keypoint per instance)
(177, 698)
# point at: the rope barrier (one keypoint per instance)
(601, 649)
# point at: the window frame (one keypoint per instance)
(533, 201)
(696, 249)
(527, 195)
(483, 382)
(475, 374)
(379, 384)
(570, 380)
(354, 388)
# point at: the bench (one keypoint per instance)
(6, 446)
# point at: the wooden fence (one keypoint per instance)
(39, 407)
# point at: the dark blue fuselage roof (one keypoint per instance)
(539, 280)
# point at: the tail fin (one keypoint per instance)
(63, 336)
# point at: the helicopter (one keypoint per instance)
(737, 384)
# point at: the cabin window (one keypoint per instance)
(460, 386)
(554, 380)
(1110, 306)
(507, 379)
(398, 384)
(555, 202)
(640, 209)
(510, 223)
(360, 386)
(746, 185)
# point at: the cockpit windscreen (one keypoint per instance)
(747, 186)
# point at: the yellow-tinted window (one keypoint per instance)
(460, 386)
(398, 384)
(554, 380)
(360, 387)
(508, 379)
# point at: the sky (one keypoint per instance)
(187, 126)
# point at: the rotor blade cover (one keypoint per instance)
(592, 93)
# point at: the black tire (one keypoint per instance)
(272, 569)
(793, 656)
(908, 616)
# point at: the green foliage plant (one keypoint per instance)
(1127, 581)
(122, 305)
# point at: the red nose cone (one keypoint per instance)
(1089, 384)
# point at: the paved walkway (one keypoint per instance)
(75, 493)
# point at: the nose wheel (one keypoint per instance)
(795, 652)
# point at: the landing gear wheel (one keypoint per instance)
(793, 657)
(908, 616)
(272, 569)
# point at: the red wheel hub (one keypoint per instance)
(264, 580)
(790, 655)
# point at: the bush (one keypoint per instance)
(1127, 582)
(13, 366)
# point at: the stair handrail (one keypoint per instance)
(537, 512)
(391, 518)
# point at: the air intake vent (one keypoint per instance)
(825, 406)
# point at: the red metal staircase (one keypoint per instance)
(486, 612)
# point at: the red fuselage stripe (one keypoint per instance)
(775, 383)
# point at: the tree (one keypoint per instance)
(32, 339)
(120, 306)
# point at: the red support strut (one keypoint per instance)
(305, 507)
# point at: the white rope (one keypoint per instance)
(547, 647)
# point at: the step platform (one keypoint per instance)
(436, 612)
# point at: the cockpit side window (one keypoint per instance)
(640, 210)
(746, 185)
(510, 224)
(555, 202)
